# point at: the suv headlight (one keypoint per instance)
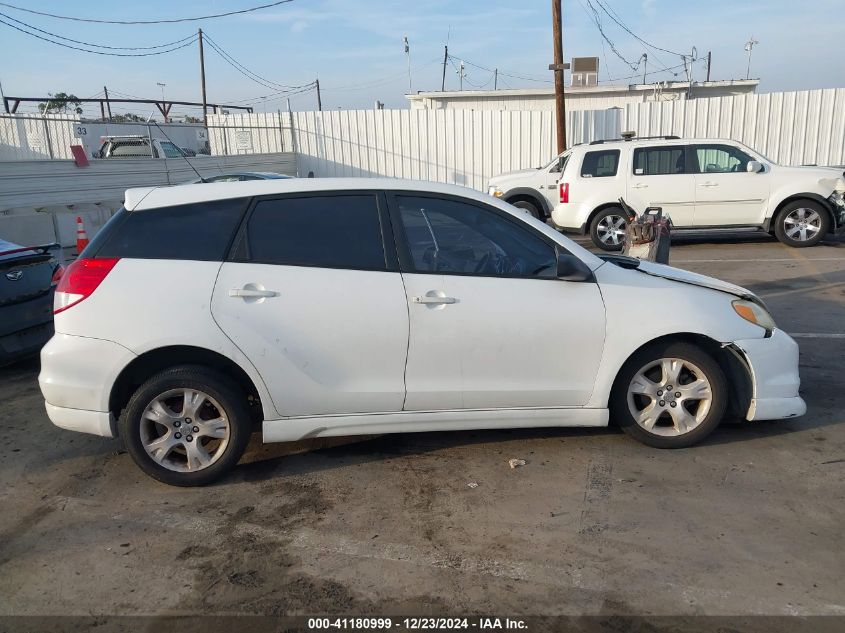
(494, 191)
(754, 313)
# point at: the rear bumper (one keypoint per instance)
(25, 327)
(773, 363)
(77, 374)
(95, 422)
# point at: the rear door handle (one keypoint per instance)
(434, 300)
(710, 184)
(247, 293)
(639, 185)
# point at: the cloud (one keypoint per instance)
(299, 26)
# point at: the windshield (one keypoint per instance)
(555, 160)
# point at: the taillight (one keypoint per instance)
(57, 275)
(564, 192)
(80, 280)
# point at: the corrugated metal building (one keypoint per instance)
(579, 97)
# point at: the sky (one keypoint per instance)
(355, 47)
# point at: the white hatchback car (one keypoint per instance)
(312, 308)
(702, 184)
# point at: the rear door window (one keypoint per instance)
(659, 161)
(327, 231)
(600, 164)
(201, 231)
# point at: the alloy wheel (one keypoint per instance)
(802, 224)
(611, 230)
(669, 397)
(184, 430)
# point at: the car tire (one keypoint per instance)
(528, 206)
(605, 229)
(186, 450)
(645, 407)
(802, 223)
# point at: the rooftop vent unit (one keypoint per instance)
(585, 71)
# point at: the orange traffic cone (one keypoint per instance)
(81, 236)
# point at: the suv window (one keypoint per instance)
(660, 160)
(448, 236)
(600, 164)
(170, 150)
(200, 231)
(327, 231)
(719, 159)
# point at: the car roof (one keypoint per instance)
(154, 197)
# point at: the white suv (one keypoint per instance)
(702, 184)
(320, 307)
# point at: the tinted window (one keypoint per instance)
(600, 164)
(130, 149)
(170, 150)
(447, 236)
(326, 231)
(656, 161)
(720, 159)
(201, 231)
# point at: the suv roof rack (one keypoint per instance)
(668, 137)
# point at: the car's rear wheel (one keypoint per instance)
(528, 206)
(607, 229)
(802, 223)
(669, 395)
(186, 426)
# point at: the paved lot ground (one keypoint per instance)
(748, 523)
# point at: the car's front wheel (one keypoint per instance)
(607, 229)
(528, 207)
(802, 223)
(669, 395)
(186, 426)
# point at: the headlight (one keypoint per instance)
(755, 314)
(494, 191)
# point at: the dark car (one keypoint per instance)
(28, 278)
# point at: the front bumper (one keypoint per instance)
(77, 374)
(773, 363)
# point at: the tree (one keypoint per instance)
(61, 103)
(127, 118)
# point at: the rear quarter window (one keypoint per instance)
(600, 164)
(201, 231)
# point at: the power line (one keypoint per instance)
(272, 85)
(172, 21)
(85, 50)
(92, 45)
(613, 17)
(596, 19)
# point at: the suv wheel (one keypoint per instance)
(669, 395)
(802, 223)
(186, 426)
(607, 229)
(530, 207)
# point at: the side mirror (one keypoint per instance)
(754, 166)
(570, 268)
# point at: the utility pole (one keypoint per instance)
(461, 73)
(408, 53)
(644, 59)
(749, 45)
(495, 79)
(108, 103)
(558, 67)
(202, 82)
(709, 60)
(445, 59)
(319, 98)
(162, 85)
(3, 96)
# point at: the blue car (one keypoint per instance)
(28, 278)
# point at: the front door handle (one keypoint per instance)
(639, 185)
(710, 184)
(251, 293)
(434, 300)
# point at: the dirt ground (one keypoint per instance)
(748, 523)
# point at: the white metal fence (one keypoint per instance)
(468, 147)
